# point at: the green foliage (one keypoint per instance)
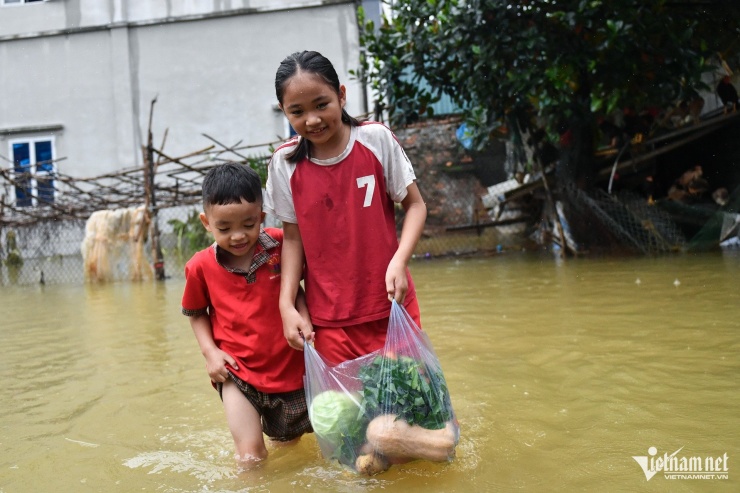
(407, 388)
(551, 60)
(260, 164)
(191, 235)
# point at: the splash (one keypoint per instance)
(180, 462)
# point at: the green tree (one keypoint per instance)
(559, 63)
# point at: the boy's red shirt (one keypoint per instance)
(244, 313)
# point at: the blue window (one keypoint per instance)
(33, 172)
(44, 172)
(22, 176)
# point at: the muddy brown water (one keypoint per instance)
(560, 373)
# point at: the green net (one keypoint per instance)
(720, 225)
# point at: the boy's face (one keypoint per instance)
(235, 227)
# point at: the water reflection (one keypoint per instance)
(559, 372)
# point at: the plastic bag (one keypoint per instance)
(389, 406)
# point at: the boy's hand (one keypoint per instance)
(216, 361)
(296, 329)
(396, 282)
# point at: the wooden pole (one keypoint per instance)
(151, 201)
(529, 150)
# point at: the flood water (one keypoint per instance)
(559, 371)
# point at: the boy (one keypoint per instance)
(231, 297)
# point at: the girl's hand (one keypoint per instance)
(396, 282)
(296, 329)
(216, 361)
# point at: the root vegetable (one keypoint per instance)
(396, 439)
(370, 464)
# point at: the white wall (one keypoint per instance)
(55, 15)
(211, 74)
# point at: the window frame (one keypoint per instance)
(33, 169)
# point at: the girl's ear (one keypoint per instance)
(342, 95)
(204, 221)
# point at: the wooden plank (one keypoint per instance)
(502, 222)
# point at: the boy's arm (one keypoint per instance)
(296, 327)
(396, 282)
(216, 360)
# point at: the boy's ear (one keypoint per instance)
(262, 216)
(204, 221)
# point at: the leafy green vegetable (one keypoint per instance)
(400, 386)
(332, 414)
(336, 418)
(407, 388)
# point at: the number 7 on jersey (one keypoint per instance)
(369, 182)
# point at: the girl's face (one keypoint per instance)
(314, 110)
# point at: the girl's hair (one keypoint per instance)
(315, 63)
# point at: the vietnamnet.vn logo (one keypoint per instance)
(674, 466)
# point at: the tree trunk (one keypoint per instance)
(576, 163)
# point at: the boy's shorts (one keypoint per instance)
(284, 415)
(339, 344)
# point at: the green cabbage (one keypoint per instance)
(334, 415)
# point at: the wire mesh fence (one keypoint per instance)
(53, 252)
(624, 220)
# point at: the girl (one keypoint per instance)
(334, 188)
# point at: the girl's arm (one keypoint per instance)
(302, 307)
(295, 326)
(216, 360)
(396, 282)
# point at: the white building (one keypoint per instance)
(78, 76)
